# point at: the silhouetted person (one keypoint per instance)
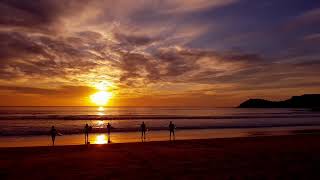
(143, 130)
(171, 129)
(53, 133)
(86, 133)
(109, 131)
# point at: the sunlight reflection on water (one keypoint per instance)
(100, 123)
(100, 139)
(100, 111)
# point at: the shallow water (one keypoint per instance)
(21, 121)
(29, 126)
(124, 137)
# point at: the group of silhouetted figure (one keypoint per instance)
(88, 129)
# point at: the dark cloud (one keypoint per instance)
(23, 55)
(28, 13)
(134, 40)
(38, 15)
(16, 45)
(62, 91)
(163, 65)
(179, 61)
(243, 70)
(176, 64)
(90, 35)
(243, 57)
(135, 66)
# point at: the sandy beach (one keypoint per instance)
(274, 157)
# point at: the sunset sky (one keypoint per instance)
(157, 52)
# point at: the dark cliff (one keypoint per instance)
(304, 101)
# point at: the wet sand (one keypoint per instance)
(272, 157)
(126, 137)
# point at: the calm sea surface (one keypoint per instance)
(29, 124)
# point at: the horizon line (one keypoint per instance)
(116, 106)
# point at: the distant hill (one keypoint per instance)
(304, 101)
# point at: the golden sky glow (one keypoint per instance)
(156, 53)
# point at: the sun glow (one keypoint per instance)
(103, 85)
(101, 139)
(101, 98)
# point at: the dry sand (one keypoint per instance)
(282, 157)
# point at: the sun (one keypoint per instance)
(101, 98)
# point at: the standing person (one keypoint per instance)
(53, 133)
(171, 129)
(86, 134)
(109, 131)
(143, 130)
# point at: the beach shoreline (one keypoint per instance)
(269, 157)
(125, 137)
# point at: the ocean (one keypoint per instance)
(27, 126)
